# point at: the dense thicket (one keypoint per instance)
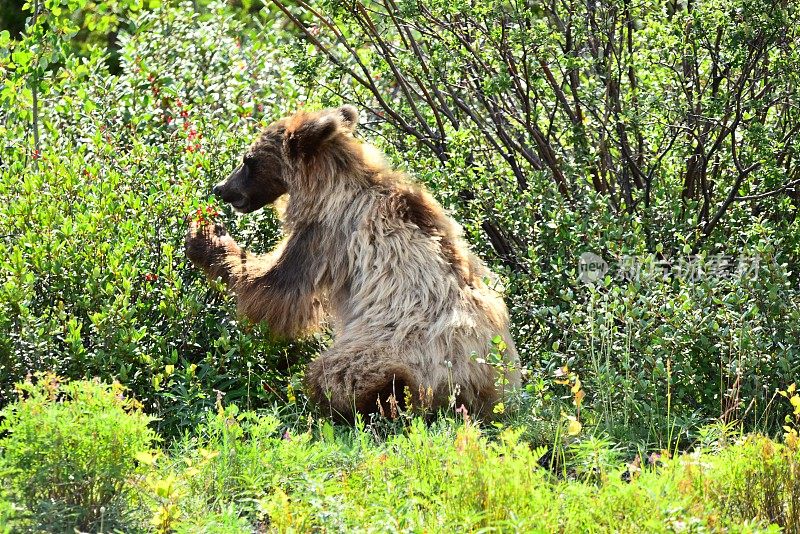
(661, 137)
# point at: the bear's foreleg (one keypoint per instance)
(280, 288)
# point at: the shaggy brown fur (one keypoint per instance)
(375, 253)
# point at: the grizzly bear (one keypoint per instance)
(374, 253)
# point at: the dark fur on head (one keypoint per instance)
(264, 174)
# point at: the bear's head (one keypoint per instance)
(269, 167)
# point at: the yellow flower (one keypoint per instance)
(574, 427)
(795, 401)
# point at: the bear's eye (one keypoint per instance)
(249, 160)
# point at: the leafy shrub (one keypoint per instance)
(552, 131)
(757, 479)
(7, 514)
(69, 450)
(223, 469)
(243, 472)
(94, 280)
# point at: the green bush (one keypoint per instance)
(242, 472)
(614, 128)
(756, 480)
(93, 279)
(69, 451)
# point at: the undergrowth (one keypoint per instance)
(285, 472)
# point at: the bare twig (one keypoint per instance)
(35, 94)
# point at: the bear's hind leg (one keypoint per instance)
(346, 383)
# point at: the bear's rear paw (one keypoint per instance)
(347, 383)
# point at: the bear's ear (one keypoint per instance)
(309, 132)
(349, 116)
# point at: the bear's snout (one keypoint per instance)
(233, 188)
(229, 195)
(230, 190)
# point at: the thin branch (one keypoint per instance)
(772, 193)
(35, 95)
(743, 173)
(367, 82)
